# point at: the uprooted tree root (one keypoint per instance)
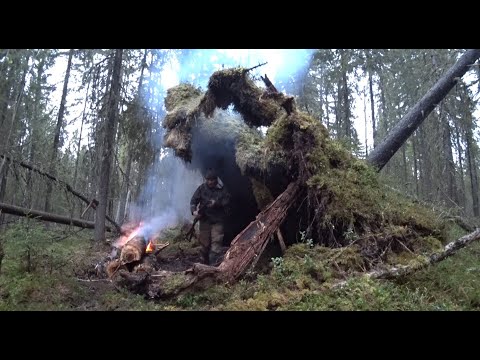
(320, 189)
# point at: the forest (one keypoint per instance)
(353, 172)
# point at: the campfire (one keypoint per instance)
(136, 250)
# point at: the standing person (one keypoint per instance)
(210, 204)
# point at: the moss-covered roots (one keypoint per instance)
(342, 203)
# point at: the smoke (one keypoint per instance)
(164, 200)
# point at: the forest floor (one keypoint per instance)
(53, 269)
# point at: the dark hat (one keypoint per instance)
(211, 174)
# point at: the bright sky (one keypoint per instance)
(279, 61)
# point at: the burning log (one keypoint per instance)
(133, 250)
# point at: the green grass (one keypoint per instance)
(42, 268)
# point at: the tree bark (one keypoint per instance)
(17, 96)
(77, 158)
(463, 192)
(415, 164)
(107, 148)
(58, 128)
(472, 169)
(126, 191)
(449, 165)
(372, 105)
(412, 120)
(34, 125)
(41, 215)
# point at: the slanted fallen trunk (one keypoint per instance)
(41, 215)
(414, 118)
(250, 243)
(68, 187)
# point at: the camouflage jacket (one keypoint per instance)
(203, 195)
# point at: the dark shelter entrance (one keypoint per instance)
(219, 153)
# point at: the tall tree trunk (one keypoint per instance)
(338, 117)
(472, 170)
(98, 136)
(107, 148)
(79, 143)
(58, 128)
(384, 117)
(327, 110)
(17, 98)
(405, 167)
(449, 165)
(425, 166)
(124, 194)
(463, 200)
(126, 190)
(412, 120)
(415, 162)
(6, 93)
(346, 104)
(34, 137)
(372, 106)
(366, 122)
(3, 187)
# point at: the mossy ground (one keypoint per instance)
(301, 280)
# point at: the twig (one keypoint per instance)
(94, 280)
(404, 246)
(249, 69)
(118, 267)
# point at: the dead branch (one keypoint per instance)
(41, 215)
(93, 204)
(67, 186)
(269, 84)
(404, 270)
(257, 66)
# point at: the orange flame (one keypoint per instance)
(122, 240)
(150, 247)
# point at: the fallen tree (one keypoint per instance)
(405, 270)
(414, 118)
(40, 215)
(68, 187)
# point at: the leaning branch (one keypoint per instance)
(257, 66)
(413, 119)
(40, 215)
(53, 178)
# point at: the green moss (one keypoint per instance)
(181, 95)
(172, 284)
